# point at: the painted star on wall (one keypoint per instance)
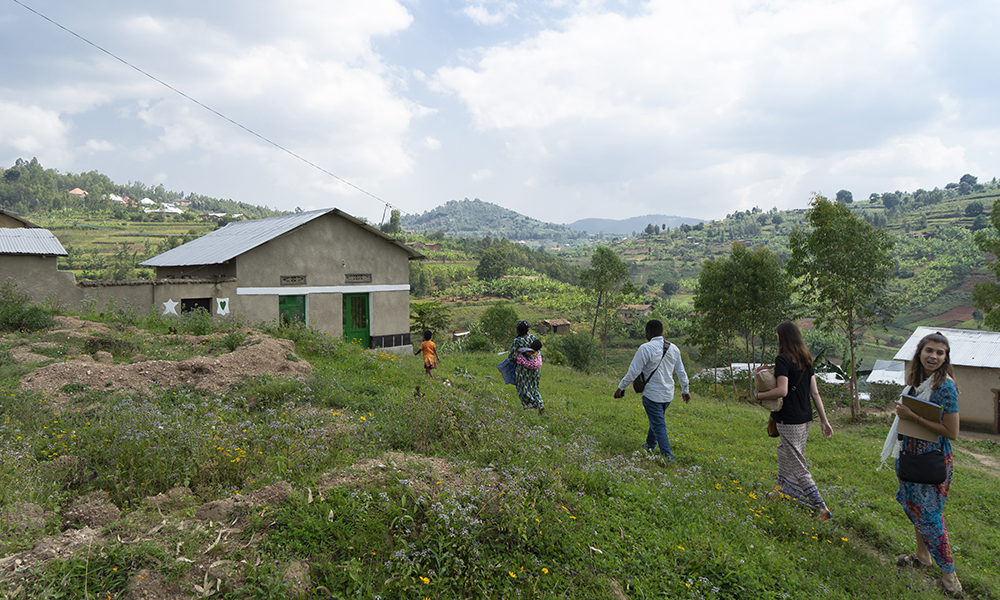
(170, 307)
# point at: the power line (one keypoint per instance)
(208, 108)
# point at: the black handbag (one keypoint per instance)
(639, 383)
(922, 468)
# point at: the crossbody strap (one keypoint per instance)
(666, 345)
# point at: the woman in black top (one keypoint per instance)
(796, 384)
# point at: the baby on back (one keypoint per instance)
(529, 357)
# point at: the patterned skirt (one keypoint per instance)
(794, 479)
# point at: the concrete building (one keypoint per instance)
(13, 220)
(324, 268)
(975, 360)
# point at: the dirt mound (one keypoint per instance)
(260, 354)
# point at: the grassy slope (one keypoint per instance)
(559, 506)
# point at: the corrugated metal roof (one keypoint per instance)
(242, 236)
(25, 240)
(969, 348)
(888, 371)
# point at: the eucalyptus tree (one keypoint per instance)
(845, 266)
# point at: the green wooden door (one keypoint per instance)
(292, 309)
(356, 319)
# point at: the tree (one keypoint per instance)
(744, 295)
(845, 197)
(498, 323)
(845, 266)
(429, 315)
(969, 179)
(890, 200)
(605, 278)
(492, 265)
(670, 287)
(974, 208)
(393, 226)
(986, 294)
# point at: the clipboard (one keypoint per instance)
(931, 412)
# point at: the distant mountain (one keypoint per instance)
(627, 226)
(475, 218)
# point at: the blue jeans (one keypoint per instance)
(657, 433)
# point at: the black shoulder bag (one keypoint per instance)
(639, 383)
(926, 468)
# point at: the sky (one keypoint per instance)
(557, 109)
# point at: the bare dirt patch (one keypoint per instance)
(259, 355)
(956, 316)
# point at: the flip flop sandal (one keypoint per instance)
(910, 560)
(952, 593)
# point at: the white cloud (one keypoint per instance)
(31, 131)
(489, 12)
(432, 143)
(99, 146)
(481, 174)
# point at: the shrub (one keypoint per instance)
(477, 341)
(884, 394)
(578, 349)
(118, 344)
(196, 322)
(498, 322)
(18, 313)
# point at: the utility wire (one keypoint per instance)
(208, 108)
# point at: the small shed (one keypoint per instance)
(554, 326)
(975, 360)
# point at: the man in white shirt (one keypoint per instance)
(657, 360)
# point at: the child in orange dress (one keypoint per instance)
(431, 356)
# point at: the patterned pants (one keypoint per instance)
(793, 474)
(924, 505)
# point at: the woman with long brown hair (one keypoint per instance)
(796, 384)
(930, 378)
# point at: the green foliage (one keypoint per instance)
(18, 313)
(429, 315)
(498, 323)
(234, 339)
(492, 265)
(121, 345)
(986, 294)
(477, 340)
(884, 394)
(475, 219)
(744, 295)
(393, 226)
(604, 279)
(578, 350)
(846, 267)
(196, 322)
